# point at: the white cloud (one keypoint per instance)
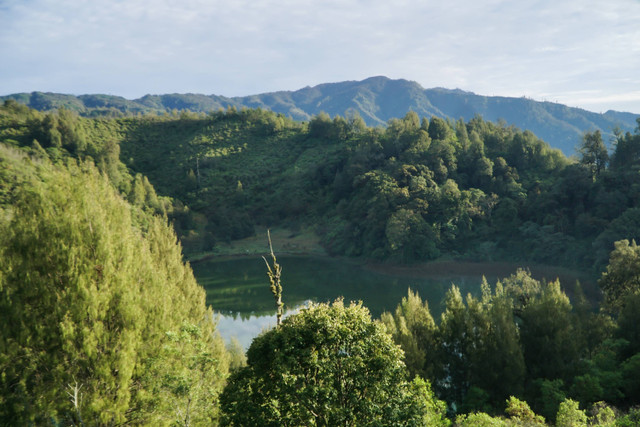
(132, 47)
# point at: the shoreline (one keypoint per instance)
(439, 267)
(305, 243)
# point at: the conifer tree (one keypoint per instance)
(414, 330)
(91, 289)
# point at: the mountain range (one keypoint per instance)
(376, 99)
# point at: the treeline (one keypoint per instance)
(413, 191)
(418, 190)
(62, 135)
(527, 339)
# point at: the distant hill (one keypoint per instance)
(376, 99)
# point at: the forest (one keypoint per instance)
(103, 322)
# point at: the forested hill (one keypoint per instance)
(416, 190)
(376, 99)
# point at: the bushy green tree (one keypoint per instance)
(479, 419)
(622, 277)
(327, 365)
(602, 415)
(496, 354)
(521, 414)
(594, 154)
(321, 126)
(548, 335)
(570, 415)
(480, 356)
(454, 341)
(89, 290)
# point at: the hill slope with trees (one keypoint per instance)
(376, 100)
(413, 191)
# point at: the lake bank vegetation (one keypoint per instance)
(104, 324)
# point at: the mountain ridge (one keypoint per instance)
(376, 99)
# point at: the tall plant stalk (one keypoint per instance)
(274, 278)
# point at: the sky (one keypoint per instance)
(582, 53)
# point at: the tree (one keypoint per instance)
(409, 237)
(327, 365)
(624, 227)
(594, 153)
(89, 289)
(622, 277)
(72, 134)
(570, 415)
(321, 126)
(496, 355)
(454, 338)
(602, 415)
(439, 129)
(184, 379)
(521, 414)
(479, 419)
(548, 335)
(481, 360)
(629, 324)
(626, 153)
(412, 328)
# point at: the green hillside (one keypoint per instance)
(376, 100)
(416, 190)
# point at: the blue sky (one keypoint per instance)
(583, 53)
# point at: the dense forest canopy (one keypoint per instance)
(103, 323)
(416, 190)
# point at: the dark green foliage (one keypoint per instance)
(411, 192)
(480, 353)
(594, 153)
(524, 338)
(548, 334)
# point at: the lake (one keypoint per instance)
(238, 288)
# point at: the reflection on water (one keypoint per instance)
(245, 327)
(238, 289)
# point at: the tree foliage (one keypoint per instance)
(327, 365)
(622, 278)
(89, 289)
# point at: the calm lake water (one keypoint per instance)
(238, 289)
